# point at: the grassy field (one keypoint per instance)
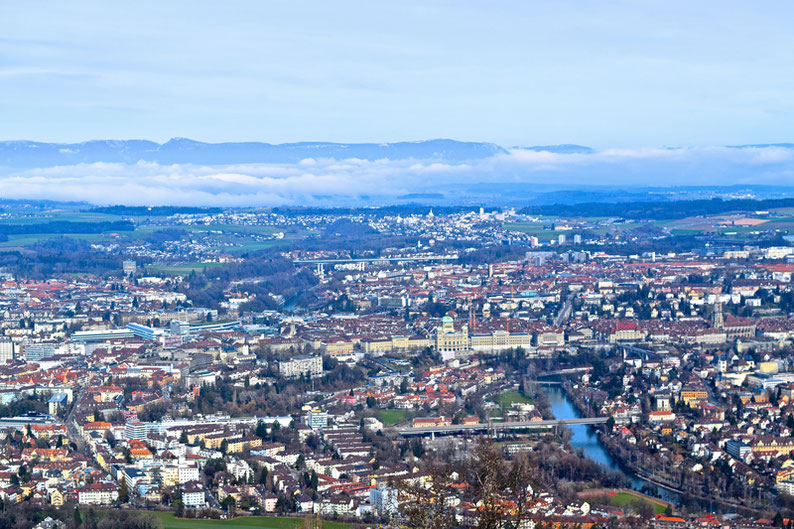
(29, 239)
(261, 522)
(625, 500)
(507, 399)
(391, 417)
(232, 238)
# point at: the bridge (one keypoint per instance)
(568, 371)
(497, 426)
(452, 257)
(645, 354)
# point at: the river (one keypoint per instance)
(585, 438)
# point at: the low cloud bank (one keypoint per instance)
(324, 181)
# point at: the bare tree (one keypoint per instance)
(424, 501)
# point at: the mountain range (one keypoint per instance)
(21, 154)
(28, 154)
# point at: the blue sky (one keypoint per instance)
(604, 74)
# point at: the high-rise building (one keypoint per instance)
(561, 238)
(317, 419)
(7, 350)
(577, 239)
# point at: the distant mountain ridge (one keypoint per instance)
(22, 154)
(28, 154)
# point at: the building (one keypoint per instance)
(7, 350)
(384, 500)
(37, 351)
(57, 402)
(301, 365)
(179, 328)
(129, 267)
(737, 449)
(98, 494)
(448, 340)
(142, 331)
(317, 419)
(98, 336)
(193, 495)
(500, 341)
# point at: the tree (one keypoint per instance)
(425, 508)
(261, 430)
(77, 517)
(124, 494)
(229, 503)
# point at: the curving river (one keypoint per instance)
(586, 439)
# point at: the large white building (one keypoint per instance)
(98, 494)
(299, 366)
(7, 350)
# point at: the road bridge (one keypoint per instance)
(498, 426)
(567, 371)
(452, 257)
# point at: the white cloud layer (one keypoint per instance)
(328, 182)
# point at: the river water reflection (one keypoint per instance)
(586, 439)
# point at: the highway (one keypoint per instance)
(513, 425)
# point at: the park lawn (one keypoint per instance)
(507, 399)
(261, 522)
(391, 417)
(625, 500)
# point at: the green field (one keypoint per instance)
(507, 399)
(625, 500)
(33, 238)
(231, 238)
(261, 522)
(391, 417)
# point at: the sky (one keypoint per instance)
(607, 74)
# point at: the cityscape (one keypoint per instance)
(396, 265)
(358, 367)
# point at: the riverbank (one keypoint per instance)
(641, 481)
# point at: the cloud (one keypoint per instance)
(335, 182)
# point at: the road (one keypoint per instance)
(565, 311)
(71, 429)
